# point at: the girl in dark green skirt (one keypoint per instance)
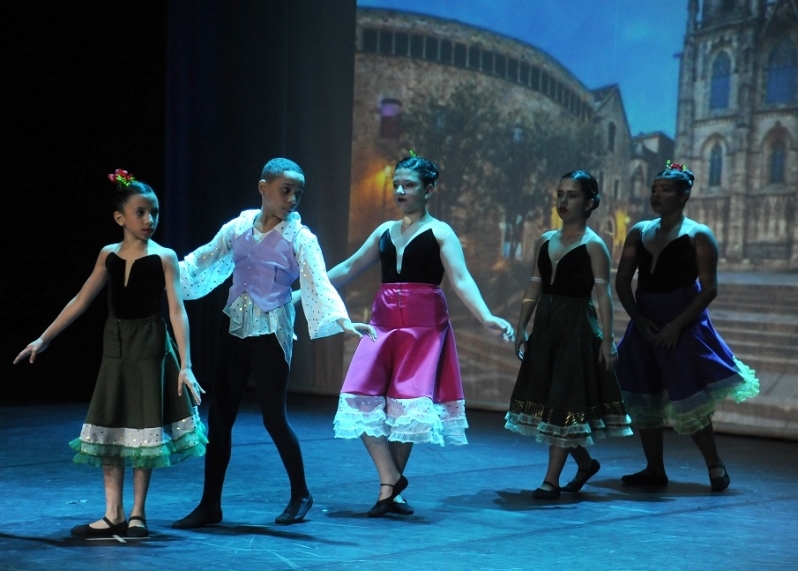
(141, 413)
(567, 393)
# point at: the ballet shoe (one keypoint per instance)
(88, 531)
(384, 505)
(295, 511)
(201, 516)
(137, 530)
(401, 507)
(719, 483)
(544, 494)
(645, 479)
(576, 484)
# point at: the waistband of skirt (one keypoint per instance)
(400, 286)
(565, 299)
(144, 320)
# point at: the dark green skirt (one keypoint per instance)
(136, 417)
(563, 395)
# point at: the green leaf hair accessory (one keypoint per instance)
(121, 177)
(413, 154)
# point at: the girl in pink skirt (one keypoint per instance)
(405, 387)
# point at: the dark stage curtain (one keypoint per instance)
(192, 97)
(248, 81)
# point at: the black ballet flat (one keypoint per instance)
(645, 479)
(576, 484)
(137, 530)
(383, 506)
(295, 511)
(544, 494)
(402, 508)
(721, 482)
(88, 531)
(201, 516)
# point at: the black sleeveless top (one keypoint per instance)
(574, 276)
(421, 262)
(676, 266)
(141, 297)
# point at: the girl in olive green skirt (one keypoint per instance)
(141, 413)
(567, 394)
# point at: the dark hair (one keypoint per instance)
(683, 178)
(426, 170)
(589, 185)
(123, 193)
(276, 167)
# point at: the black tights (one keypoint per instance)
(262, 358)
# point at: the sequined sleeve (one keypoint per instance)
(321, 303)
(205, 268)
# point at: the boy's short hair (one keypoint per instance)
(276, 167)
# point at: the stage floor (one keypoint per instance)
(474, 508)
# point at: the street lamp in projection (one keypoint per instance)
(387, 190)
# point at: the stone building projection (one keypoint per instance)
(502, 119)
(737, 127)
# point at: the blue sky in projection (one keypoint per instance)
(629, 42)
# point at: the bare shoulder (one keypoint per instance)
(167, 255)
(380, 230)
(594, 243)
(109, 249)
(442, 230)
(639, 227)
(698, 230)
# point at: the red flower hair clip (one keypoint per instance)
(674, 166)
(121, 177)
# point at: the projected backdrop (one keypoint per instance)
(507, 96)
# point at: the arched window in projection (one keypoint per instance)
(390, 119)
(715, 165)
(776, 162)
(720, 84)
(781, 73)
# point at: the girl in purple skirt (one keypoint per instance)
(405, 387)
(673, 366)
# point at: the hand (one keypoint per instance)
(521, 345)
(648, 329)
(668, 336)
(608, 353)
(499, 326)
(356, 328)
(186, 378)
(32, 349)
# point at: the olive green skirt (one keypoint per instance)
(564, 396)
(136, 417)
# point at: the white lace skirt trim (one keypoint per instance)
(140, 437)
(416, 420)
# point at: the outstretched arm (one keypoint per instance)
(179, 320)
(73, 309)
(366, 256)
(464, 285)
(600, 262)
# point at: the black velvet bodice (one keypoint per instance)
(421, 262)
(676, 266)
(141, 297)
(574, 275)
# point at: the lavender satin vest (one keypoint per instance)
(265, 269)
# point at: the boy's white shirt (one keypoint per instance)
(210, 265)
